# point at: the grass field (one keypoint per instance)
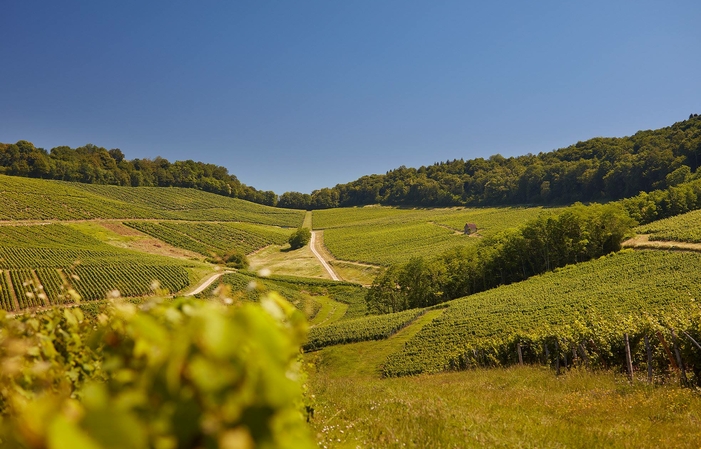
(384, 235)
(506, 408)
(283, 261)
(514, 407)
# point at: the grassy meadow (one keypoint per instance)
(504, 407)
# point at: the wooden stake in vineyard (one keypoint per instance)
(648, 350)
(629, 359)
(682, 371)
(520, 354)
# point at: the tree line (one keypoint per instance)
(597, 169)
(96, 165)
(578, 234)
(594, 170)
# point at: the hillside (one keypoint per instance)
(386, 235)
(597, 169)
(96, 165)
(38, 199)
(601, 168)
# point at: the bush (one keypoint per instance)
(236, 259)
(300, 237)
(185, 374)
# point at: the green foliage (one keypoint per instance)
(598, 301)
(593, 170)
(95, 165)
(236, 259)
(359, 329)
(385, 235)
(648, 207)
(577, 234)
(682, 228)
(213, 239)
(186, 374)
(300, 238)
(36, 199)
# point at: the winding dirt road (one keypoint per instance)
(327, 267)
(203, 286)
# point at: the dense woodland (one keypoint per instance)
(96, 165)
(594, 170)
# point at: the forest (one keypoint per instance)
(598, 169)
(91, 164)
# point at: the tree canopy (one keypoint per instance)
(597, 169)
(96, 165)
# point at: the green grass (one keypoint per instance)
(366, 357)
(353, 272)
(514, 407)
(376, 327)
(518, 407)
(280, 260)
(330, 312)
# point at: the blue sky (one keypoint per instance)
(300, 95)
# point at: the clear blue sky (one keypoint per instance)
(299, 95)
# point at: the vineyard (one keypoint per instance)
(597, 301)
(37, 199)
(489, 219)
(38, 261)
(682, 228)
(385, 235)
(190, 204)
(384, 244)
(213, 238)
(359, 329)
(249, 288)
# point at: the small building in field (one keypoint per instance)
(470, 228)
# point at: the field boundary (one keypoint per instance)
(643, 241)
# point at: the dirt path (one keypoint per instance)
(643, 241)
(206, 283)
(327, 267)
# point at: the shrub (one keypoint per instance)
(300, 237)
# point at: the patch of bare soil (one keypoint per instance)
(121, 229)
(147, 244)
(159, 248)
(643, 242)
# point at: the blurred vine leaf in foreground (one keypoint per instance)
(183, 374)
